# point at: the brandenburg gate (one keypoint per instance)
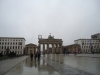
(56, 45)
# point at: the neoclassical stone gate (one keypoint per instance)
(56, 45)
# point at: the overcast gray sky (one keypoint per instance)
(64, 19)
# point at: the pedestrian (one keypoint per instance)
(35, 56)
(31, 55)
(38, 55)
(75, 52)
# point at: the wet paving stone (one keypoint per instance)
(65, 69)
(34, 67)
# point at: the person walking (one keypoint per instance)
(35, 56)
(31, 55)
(38, 55)
(75, 52)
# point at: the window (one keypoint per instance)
(20, 43)
(8, 47)
(13, 43)
(13, 47)
(8, 43)
(5, 47)
(2, 43)
(16, 47)
(16, 43)
(2, 47)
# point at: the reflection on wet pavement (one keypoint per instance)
(87, 64)
(61, 63)
(28, 67)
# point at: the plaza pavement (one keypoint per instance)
(8, 64)
(89, 55)
(63, 69)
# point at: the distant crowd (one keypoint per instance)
(37, 55)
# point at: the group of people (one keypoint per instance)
(36, 55)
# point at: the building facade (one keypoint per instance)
(95, 36)
(72, 48)
(86, 47)
(13, 44)
(86, 44)
(30, 48)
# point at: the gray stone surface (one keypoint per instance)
(81, 64)
(89, 55)
(65, 69)
(8, 64)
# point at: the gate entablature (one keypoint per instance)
(56, 44)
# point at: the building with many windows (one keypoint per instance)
(87, 44)
(15, 44)
(86, 47)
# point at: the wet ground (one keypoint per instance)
(28, 67)
(53, 64)
(87, 64)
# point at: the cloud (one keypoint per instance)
(65, 19)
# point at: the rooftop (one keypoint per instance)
(12, 38)
(86, 39)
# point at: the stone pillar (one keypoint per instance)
(43, 48)
(34, 50)
(61, 49)
(28, 51)
(57, 48)
(48, 48)
(39, 49)
(53, 49)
